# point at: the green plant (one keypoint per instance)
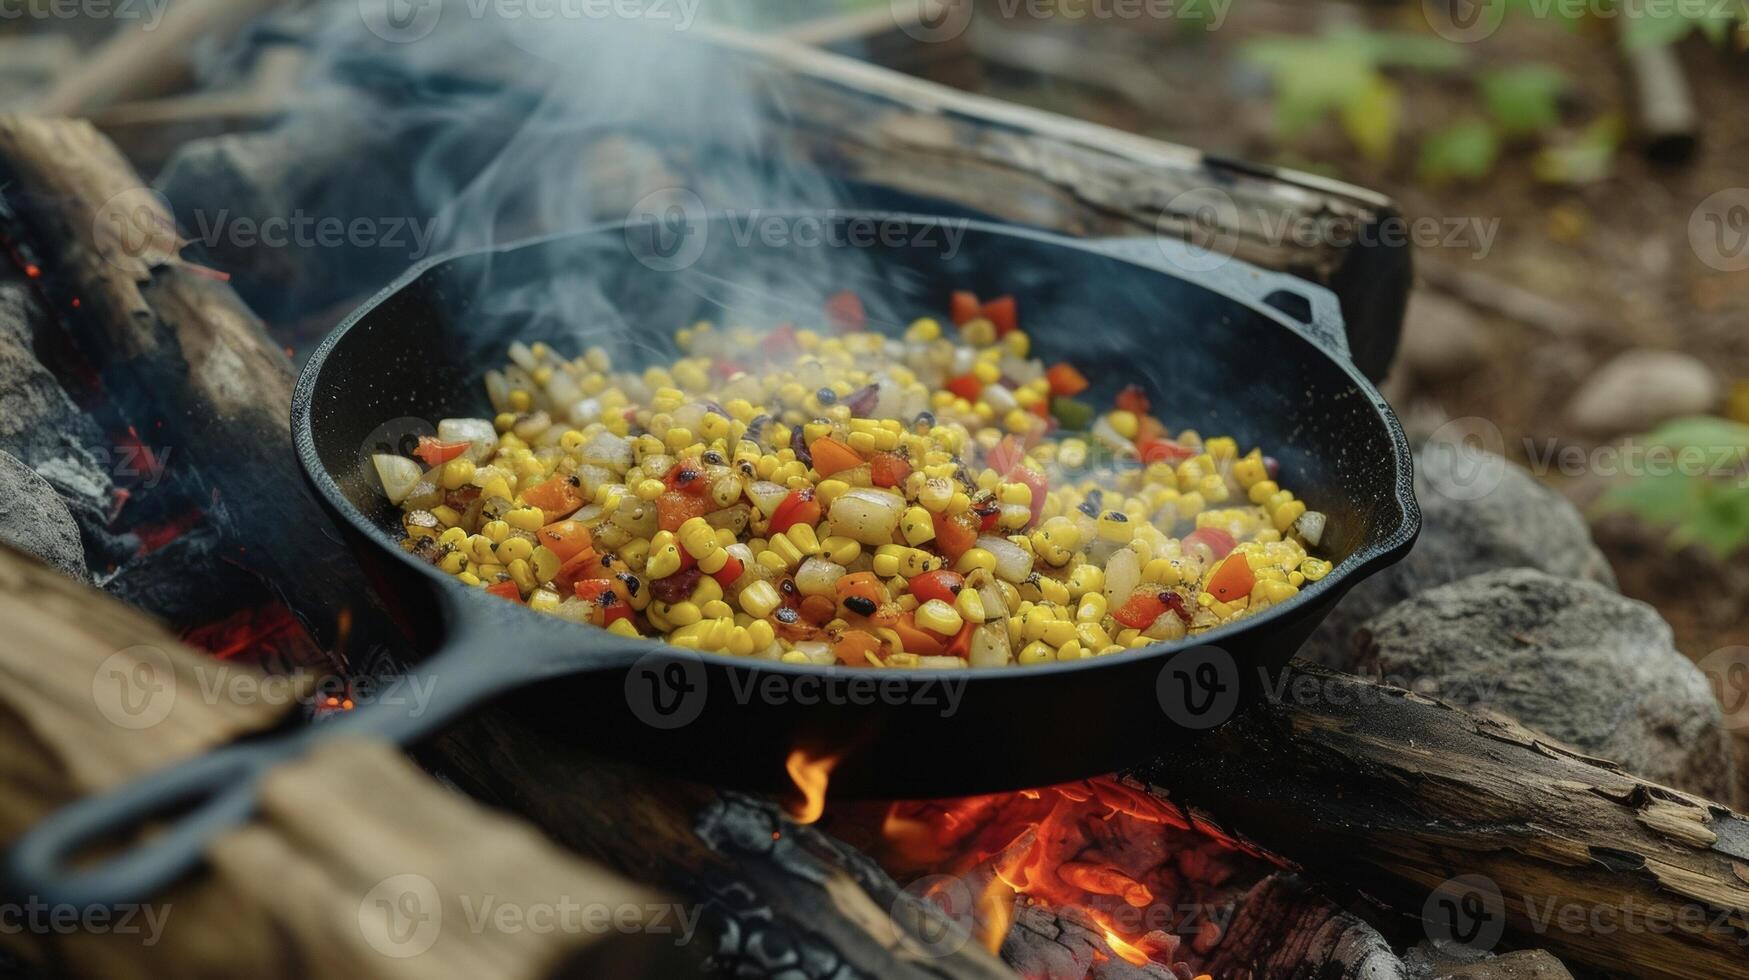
(1699, 488)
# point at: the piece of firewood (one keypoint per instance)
(150, 322)
(92, 692)
(1396, 794)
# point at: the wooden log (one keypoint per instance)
(1397, 795)
(152, 323)
(92, 692)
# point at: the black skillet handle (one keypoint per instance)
(215, 793)
(1312, 310)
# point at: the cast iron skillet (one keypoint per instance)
(1225, 347)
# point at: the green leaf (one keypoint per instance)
(1720, 522)
(1666, 498)
(1464, 150)
(1371, 119)
(1524, 100)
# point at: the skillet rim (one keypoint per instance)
(1366, 561)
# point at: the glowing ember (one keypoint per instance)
(1120, 863)
(810, 775)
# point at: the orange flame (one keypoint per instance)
(1118, 944)
(995, 913)
(810, 775)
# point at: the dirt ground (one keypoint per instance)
(1615, 252)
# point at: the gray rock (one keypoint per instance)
(1442, 337)
(33, 519)
(1479, 513)
(1640, 388)
(1428, 962)
(1572, 659)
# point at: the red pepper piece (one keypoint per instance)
(845, 313)
(799, 507)
(435, 452)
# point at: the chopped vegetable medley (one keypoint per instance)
(840, 496)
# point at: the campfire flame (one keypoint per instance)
(1126, 862)
(811, 775)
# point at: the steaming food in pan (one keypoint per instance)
(835, 495)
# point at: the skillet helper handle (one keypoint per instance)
(207, 796)
(1312, 310)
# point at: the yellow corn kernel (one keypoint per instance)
(975, 558)
(940, 617)
(760, 599)
(719, 611)
(970, 605)
(1092, 636)
(528, 519)
(649, 489)
(545, 563)
(1160, 571)
(707, 590)
(453, 562)
(623, 627)
(456, 473)
(840, 549)
(1126, 423)
(1058, 632)
(1085, 579)
(1114, 525)
(1092, 608)
(495, 531)
(447, 516)
(683, 613)
(511, 549)
(698, 537)
(1035, 652)
(1250, 470)
(1221, 447)
(452, 537)
(1261, 491)
(1053, 590)
(763, 634)
(1285, 515)
(917, 526)
(664, 559)
(1072, 650)
(714, 562)
(1314, 569)
(923, 330)
(936, 494)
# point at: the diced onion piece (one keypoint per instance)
(868, 515)
(817, 576)
(1123, 572)
(995, 606)
(989, 646)
(1311, 527)
(766, 496)
(1013, 564)
(398, 475)
(610, 451)
(1167, 626)
(734, 518)
(941, 663)
(481, 437)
